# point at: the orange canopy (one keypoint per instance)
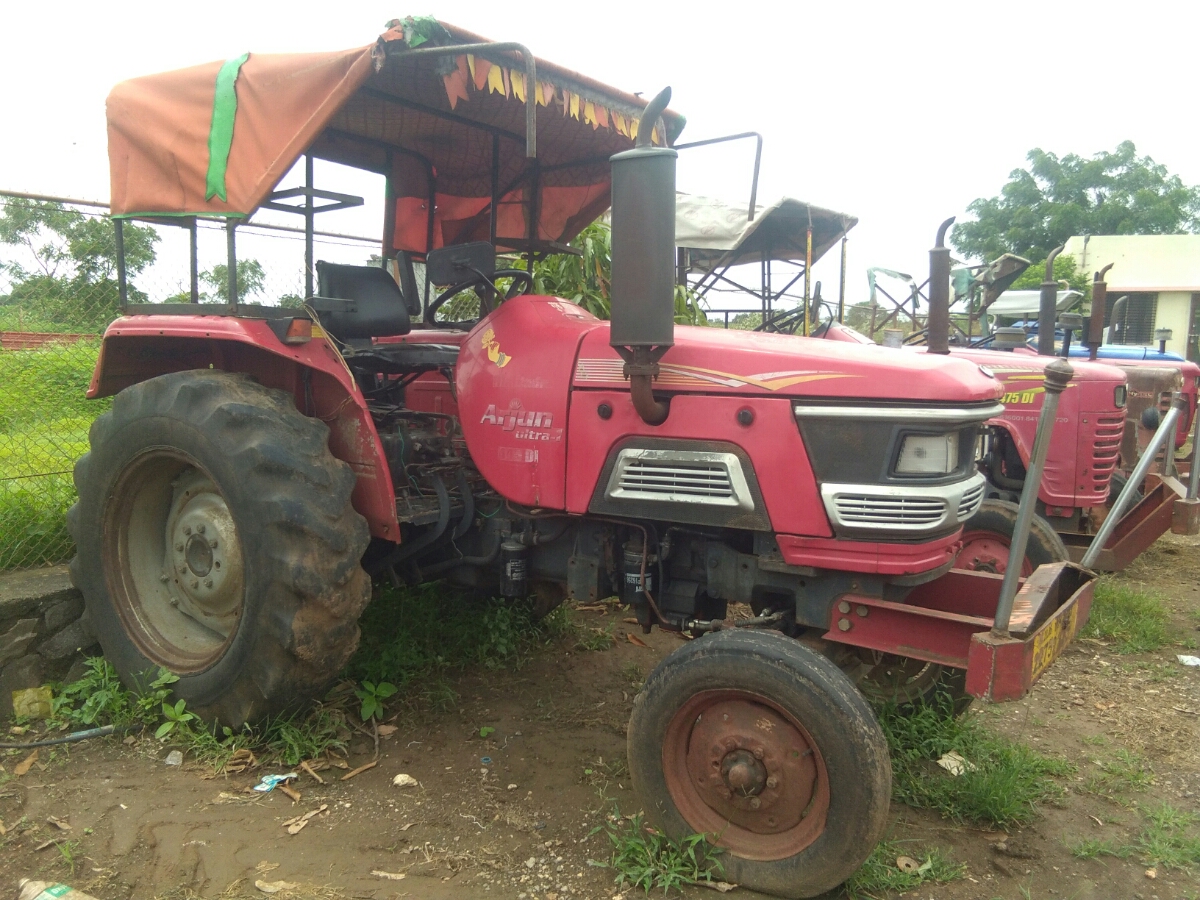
(447, 129)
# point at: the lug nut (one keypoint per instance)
(200, 529)
(728, 794)
(758, 753)
(208, 582)
(213, 544)
(187, 529)
(179, 548)
(174, 602)
(755, 803)
(195, 583)
(164, 578)
(772, 782)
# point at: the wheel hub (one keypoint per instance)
(987, 552)
(752, 766)
(203, 569)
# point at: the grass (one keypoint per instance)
(44, 421)
(1135, 621)
(880, 875)
(1167, 839)
(1123, 771)
(643, 857)
(596, 639)
(1004, 781)
(414, 638)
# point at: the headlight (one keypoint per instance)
(928, 454)
(1120, 392)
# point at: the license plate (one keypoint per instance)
(1052, 640)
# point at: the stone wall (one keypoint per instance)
(44, 635)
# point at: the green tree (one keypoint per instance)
(250, 280)
(1043, 205)
(586, 279)
(1065, 270)
(72, 282)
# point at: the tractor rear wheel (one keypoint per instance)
(216, 539)
(764, 746)
(987, 540)
(912, 683)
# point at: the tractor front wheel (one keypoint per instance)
(215, 539)
(767, 749)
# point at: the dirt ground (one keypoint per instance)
(512, 815)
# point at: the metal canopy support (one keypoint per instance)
(231, 262)
(531, 85)
(122, 280)
(493, 212)
(842, 284)
(757, 159)
(194, 262)
(308, 225)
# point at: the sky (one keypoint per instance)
(898, 113)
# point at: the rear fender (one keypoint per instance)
(142, 347)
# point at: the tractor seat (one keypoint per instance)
(359, 302)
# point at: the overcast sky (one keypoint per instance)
(898, 113)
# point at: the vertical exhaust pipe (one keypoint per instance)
(937, 328)
(1095, 336)
(643, 260)
(1048, 308)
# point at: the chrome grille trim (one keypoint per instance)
(680, 476)
(923, 414)
(903, 510)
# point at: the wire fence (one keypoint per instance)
(58, 292)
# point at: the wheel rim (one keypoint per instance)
(746, 773)
(173, 561)
(986, 551)
(898, 679)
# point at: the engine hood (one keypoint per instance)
(720, 361)
(1003, 363)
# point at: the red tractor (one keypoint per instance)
(260, 463)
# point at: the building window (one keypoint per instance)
(1135, 323)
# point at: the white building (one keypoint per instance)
(1160, 273)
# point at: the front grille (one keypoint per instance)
(1106, 449)
(877, 510)
(658, 480)
(969, 504)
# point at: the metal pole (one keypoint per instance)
(308, 225)
(842, 285)
(494, 211)
(1166, 430)
(231, 263)
(1095, 332)
(122, 281)
(1058, 377)
(1194, 475)
(194, 266)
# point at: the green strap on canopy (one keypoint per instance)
(220, 133)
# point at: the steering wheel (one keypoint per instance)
(522, 283)
(917, 337)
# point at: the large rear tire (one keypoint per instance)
(216, 539)
(767, 748)
(987, 540)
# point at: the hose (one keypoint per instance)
(67, 738)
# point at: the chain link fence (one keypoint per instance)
(58, 292)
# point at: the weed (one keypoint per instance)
(880, 874)
(1093, 848)
(644, 857)
(595, 639)
(633, 674)
(68, 851)
(177, 719)
(1004, 780)
(1135, 621)
(1095, 740)
(293, 740)
(1167, 840)
(1123, 771)
(372, 696)
(423, 633)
